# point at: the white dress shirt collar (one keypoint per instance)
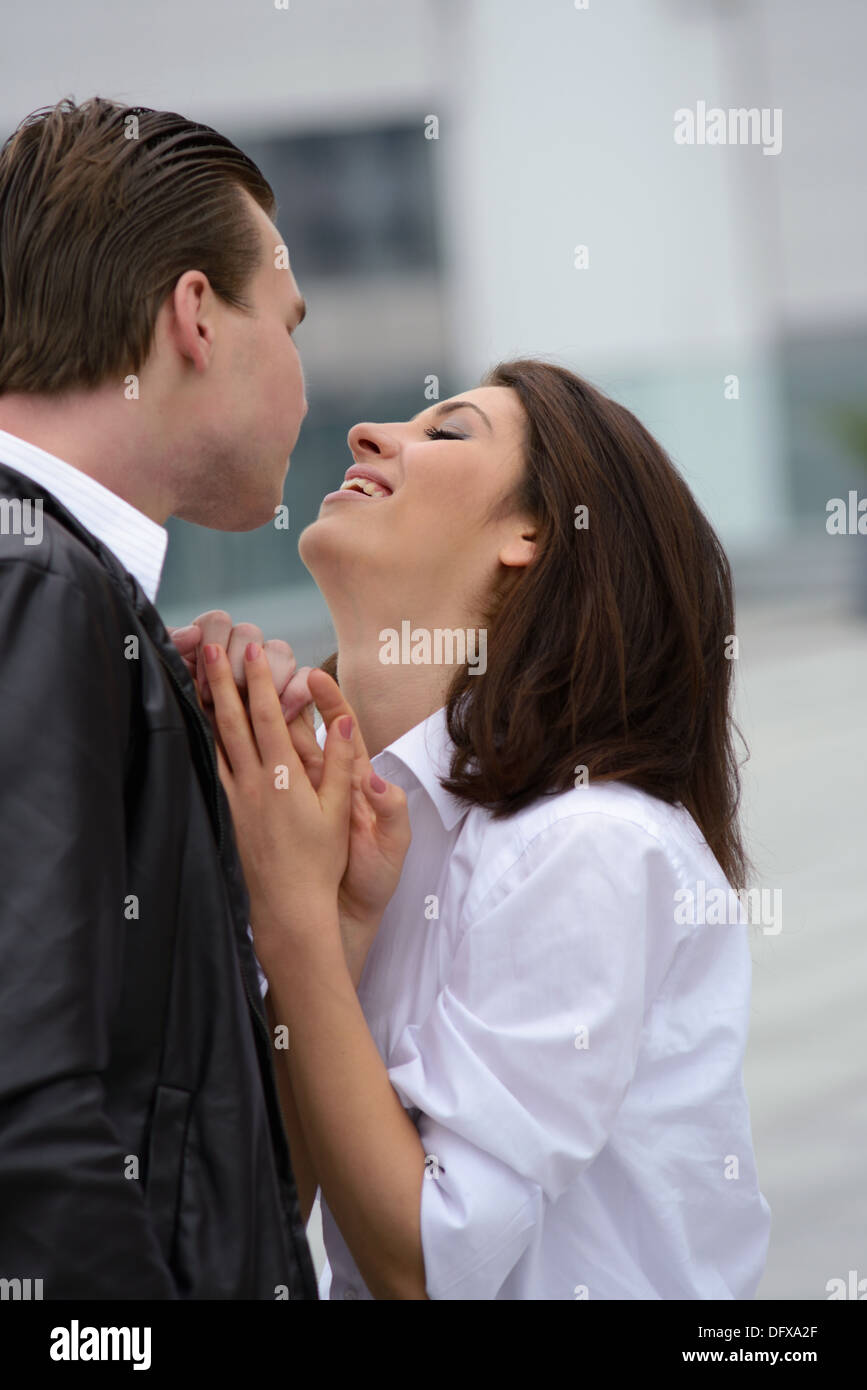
(138, 542)
(426, 750)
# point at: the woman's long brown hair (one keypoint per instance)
(611, 650)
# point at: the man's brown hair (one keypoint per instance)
(102, 208)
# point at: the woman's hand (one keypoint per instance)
(293, 839)
(215, 628)
(379, 834)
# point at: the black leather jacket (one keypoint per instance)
(142, 1152)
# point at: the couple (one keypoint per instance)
(487, 1041)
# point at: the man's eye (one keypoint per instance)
(433, 433)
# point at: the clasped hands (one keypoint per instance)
(320, 835)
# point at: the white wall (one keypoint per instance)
(558, 124)
(562, 128)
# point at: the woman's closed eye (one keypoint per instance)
(433, 432)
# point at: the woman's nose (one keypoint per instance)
(366, 438)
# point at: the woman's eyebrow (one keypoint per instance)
(448, 407)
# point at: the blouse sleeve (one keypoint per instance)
(520, 1067)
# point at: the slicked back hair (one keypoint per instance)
(102, 208)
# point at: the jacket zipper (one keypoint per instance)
(205, 741)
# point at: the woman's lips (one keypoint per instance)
(351, 492)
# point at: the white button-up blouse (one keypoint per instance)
(568, 1047)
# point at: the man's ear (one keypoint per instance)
(190, 318)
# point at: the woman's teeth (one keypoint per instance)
(363, 485)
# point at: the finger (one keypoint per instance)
(215, 627)
(306, 745)
(281, 659)
(296, 696)
(272, 737)
(392, 816)
(186, 643)
(225, 772)
(332, 705)
(240, 637)
(335, 791)
(229, 713)
(186, 639)
(361, 816)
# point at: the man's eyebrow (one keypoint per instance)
(448, 407)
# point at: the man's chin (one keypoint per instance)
(234, 517)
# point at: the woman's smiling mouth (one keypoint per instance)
(366, 486)
(362, 481)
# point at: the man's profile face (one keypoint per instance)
(251, 399)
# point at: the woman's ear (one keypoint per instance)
(520, 547)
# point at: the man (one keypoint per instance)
(147, 369)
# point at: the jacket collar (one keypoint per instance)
(138, 541)
(16, 484)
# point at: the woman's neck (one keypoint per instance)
(388, 699)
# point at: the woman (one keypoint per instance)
(511, 1062)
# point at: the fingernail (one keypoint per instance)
(211, 652)
(344, 724)
(376, 782)
(253, 650)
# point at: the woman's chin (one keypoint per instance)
(321, 550)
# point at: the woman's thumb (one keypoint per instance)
(389, 804)
(336, 784)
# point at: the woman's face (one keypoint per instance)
(426, 540)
